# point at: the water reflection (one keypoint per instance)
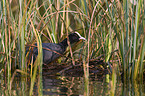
(135, 88)
(63, 85)
(74, 86)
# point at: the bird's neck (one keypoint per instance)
(64, 43)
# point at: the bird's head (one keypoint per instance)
(75, 37)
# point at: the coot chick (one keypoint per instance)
(52, 51)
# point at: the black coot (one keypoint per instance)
(52, 51)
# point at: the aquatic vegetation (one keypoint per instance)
(114, 31)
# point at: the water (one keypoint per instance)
(74, 86)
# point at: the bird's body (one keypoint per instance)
(57, 50)
(52, 51)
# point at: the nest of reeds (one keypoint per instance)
(97, 68)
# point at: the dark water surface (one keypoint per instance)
(71, 86)
(75, 86)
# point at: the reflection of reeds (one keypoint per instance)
(108, 26)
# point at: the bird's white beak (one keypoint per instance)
(81, 36)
